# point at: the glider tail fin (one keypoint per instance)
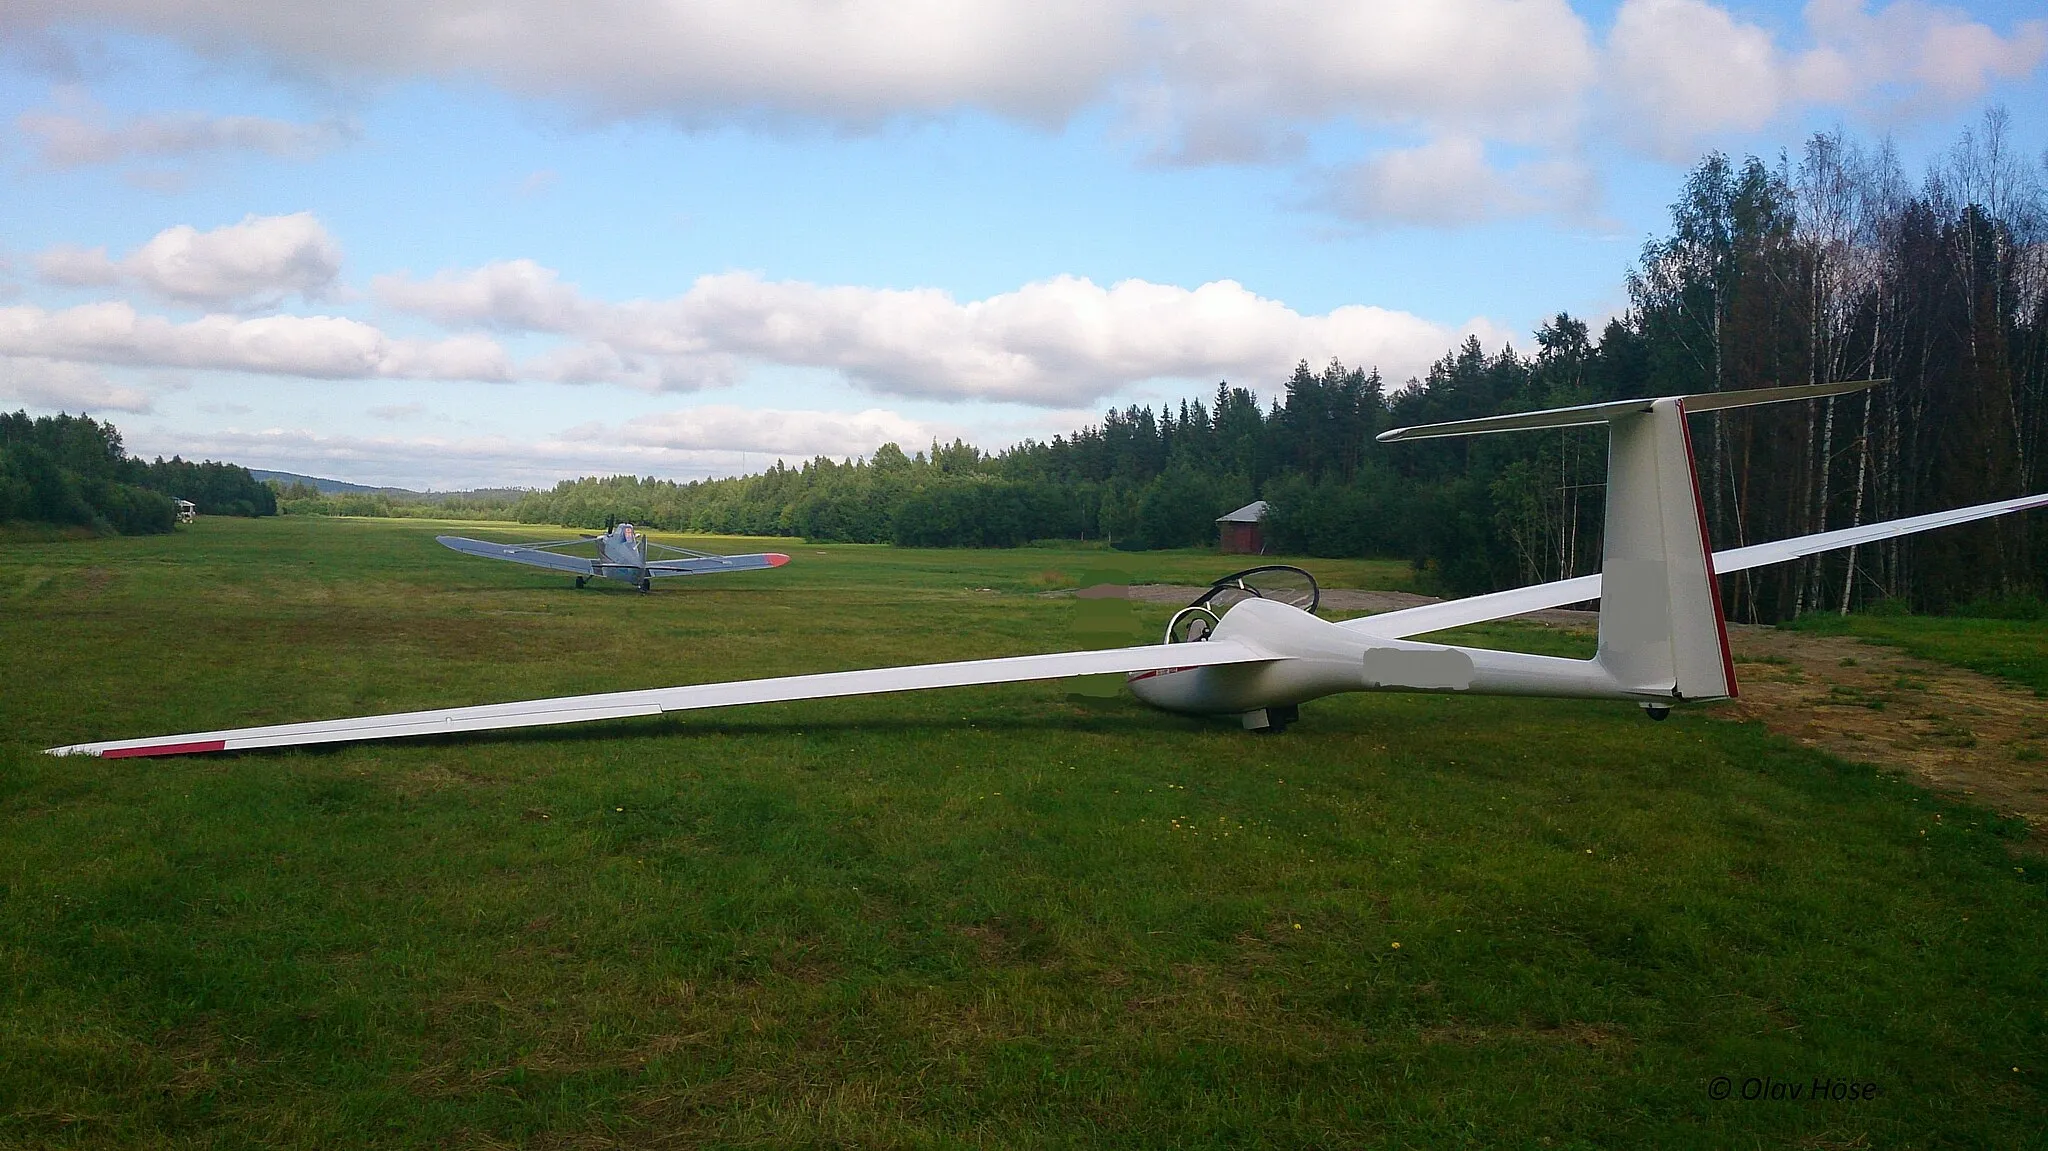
(1661, 629)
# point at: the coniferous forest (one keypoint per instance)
(1831, 265)
(72, 471)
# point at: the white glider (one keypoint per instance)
(1243, 649)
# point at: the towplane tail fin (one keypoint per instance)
(1661, 629)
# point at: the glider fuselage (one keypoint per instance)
(1314, 658)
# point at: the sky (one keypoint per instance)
(462, 243)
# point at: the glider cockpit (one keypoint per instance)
(1280, 583)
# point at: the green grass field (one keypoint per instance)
(987, 917)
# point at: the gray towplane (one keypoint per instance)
(622, 554)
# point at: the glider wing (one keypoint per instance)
(1502, 604)
(521, 554)
(653, 701)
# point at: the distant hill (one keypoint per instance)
(327, 487)
(398, 494)
(324, 486)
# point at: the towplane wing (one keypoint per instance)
(535, 555)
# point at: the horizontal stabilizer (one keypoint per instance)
(1433, 617)
(653, 701)
(1586, 414)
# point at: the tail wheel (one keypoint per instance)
(646, 583)
(579, 581)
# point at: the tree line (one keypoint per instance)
(1833, 266)
(73, 471)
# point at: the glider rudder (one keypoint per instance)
(1662, 635)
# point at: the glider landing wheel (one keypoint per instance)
(646, 584)
(1657, 712)
(1270, 720)
(579, 581)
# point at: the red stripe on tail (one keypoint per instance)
(1707, 546)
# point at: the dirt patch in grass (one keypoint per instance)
(1956, 730)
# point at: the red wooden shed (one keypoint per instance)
(1243, 532)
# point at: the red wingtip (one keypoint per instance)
(166, 749)
(777, 559)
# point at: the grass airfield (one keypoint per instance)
(1011, 916)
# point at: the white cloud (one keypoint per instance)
(851, 61)
(688, 443)
(254, 263)
(513, 295)
(791, 434)
(1233, 81)
(1201, 79)
(1912, 54)
(326, 347)
(1061, 341)
(1057, 342)
(1448, 182)
(261, 259)
(1683, 70)
(72, 139)
(1193, 81)
(43, 383)
(71, 267)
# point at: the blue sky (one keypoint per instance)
(505, 241)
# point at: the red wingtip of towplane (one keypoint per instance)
(777, 559)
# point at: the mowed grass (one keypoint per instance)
(987, 917)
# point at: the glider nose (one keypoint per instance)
(776, 559)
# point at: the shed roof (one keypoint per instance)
(1250, 513)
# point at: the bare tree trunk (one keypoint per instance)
(1806, 487)
(1856, 510)
(1863, 451)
